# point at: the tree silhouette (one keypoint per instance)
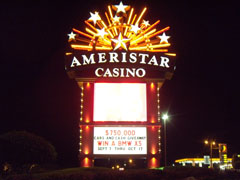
(21, 147)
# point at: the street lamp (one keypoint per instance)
(165, 118)
(211, 143)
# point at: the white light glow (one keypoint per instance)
(120, 140)
(120, 102)
(165, 117)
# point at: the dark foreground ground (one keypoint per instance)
(170, 173)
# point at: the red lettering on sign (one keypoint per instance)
(103, 143)
(99, 143)
(124, 143)
(129, 143)
(138, 143)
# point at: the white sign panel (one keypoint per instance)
(120, 102)
(206, 159)
(120, 140)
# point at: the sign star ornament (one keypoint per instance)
(135, 28)
(120, 42)
(101, 32)
(121, 7)
(124, 35)
(116, 19)
(146, 23)
(94, 17)
(71, 36)
(164, 38)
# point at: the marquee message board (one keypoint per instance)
(120, 140)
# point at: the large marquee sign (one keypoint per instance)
(120, 61)
(121, 45)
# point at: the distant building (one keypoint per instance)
(201, 162)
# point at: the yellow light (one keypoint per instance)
(129, 19)
(159, 32)
(153, 150)
(138, 48)
(109, 22)
(90, 25)
(117, 166)
(144, 10)
(110, 33)
(142, 38)
(130, 16)
(152, 31)
(150, 27)
(159, 50)
(99, 24)
(115, 31)
(130, 160)
(160, 45)
(110, 11)
(153, 162)
(105, 26)
(91, 32)
(213, 143)
(113, 167)
(140, 42)
(82, 33)
(86, 152)
(86, 162)
(104, 42)
(206, 141)
(134, 18)
(170, 54)
(103, 48)
(81, 47)
(87, 120)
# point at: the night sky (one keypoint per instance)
(202, 98)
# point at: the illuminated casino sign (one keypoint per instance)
(120, 61)
(120, 45)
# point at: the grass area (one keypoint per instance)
(169, 173)
(77, 172)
